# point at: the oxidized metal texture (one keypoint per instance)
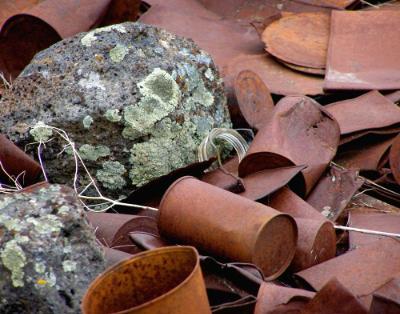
(166, 280)
(334, 4)
(334, 298)
(394, 158)
(114, 256)
(113, 230)
(356, 135)
(274, 299)
(394, 96)
(334, 191)
(366, 218)
(356, 39)
(300, 132)
(387, 298)
(317, 237)
(300, 39)
(361, 271)
(369, 111)
(147, 240)
(17, 164)
(254, 99)
(278, 78)
(228, 225)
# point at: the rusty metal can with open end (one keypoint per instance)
(161, 281)
(227, 225)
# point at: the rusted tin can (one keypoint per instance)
(166, 280)
(227, 225)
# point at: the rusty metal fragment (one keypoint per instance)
(387, 298)
(334, 191)
(274, 299)
(300, 132)
(254, 99)
(227, 225)
(394, 158)
(299, 39)
(334, 4)
(10, 7)
(115, 256)
(361, 271)
(356, 39)
(17, 164)
(369, 111)
(392, 130)
(113, 230)
(166, 280)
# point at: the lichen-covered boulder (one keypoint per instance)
(136, 100)
(48, 252)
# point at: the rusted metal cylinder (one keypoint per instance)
(227, 225)
(165, 280)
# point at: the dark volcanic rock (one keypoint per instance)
(136, 100)
(48, 252)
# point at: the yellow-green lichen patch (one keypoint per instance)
(92, 153)
(47, 224)
(118, 53)
(40, 267)
(113, 115)
(111, 176)
(87, 122)
(69, 266)
(41, 132)
(13, 258)
(12, 224)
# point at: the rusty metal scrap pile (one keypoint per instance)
(318, 81)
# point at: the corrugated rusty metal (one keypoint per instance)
(361, 271)
(300, 132)
(254, 99)
(363, 52)
(300, 39)
(227, 225)
(113, 230)
(166, 280)
(17, 164)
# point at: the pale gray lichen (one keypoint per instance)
(13, 258)
(40, 267)
(118, 53)
(92, 153)
(41, 132)
(90, 37)
(87, 122)
(92, 81)
(47, 224)
(69, 266)
(111, 176)
(113, 115)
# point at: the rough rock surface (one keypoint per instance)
(48, 252)
(136, 100)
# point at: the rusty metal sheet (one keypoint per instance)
(112, 230)
(361, 271)
(121, 11)
(394, 96)
(366, 218)
(274, 299)
(356, 135)
(363, 52)
(366, 201)
(387, 298)
(17, 164)
(10, 7)
(394, 158)
(114, 256)
(368, 153)
(300, 132)
(334, 4)
(334, 298)
(334, 191)
(254, 99)
(228, 225)
(317, 238)
(300, 39)
(166, 280)
(369, 111)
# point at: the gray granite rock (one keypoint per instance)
(48, 252)
(136, 100)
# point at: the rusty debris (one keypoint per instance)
(394, 158)
(386, 299)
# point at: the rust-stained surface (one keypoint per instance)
(317, 238)
(370, 218)
(11, 7)
(113, 230)
(299, 124)
(356, 135)
(254, 99)
(300, 39)
(387, 298)
(394, 158)
(17, 164)
(334, 4)
(166, 280)
(356, 39)
(114, 256)
(361, 271)
(369, 111)
(227, 225)
(334, 191)
(279, 300)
